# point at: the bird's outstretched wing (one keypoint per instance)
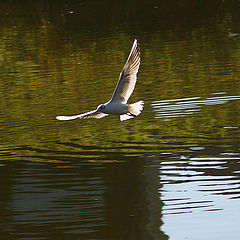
(92, 114)
(128, 76)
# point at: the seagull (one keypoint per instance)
(118, 105)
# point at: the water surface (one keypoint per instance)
(171, 173)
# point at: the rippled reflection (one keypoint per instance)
(201, 183)
(187, 106)
(172, 173)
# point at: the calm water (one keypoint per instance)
(171, 173)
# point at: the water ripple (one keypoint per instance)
(187, 106)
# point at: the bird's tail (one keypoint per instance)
(134, 110)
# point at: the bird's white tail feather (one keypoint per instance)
(136, 108)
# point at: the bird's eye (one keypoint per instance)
(101, 107)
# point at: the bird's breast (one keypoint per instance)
(116, 108)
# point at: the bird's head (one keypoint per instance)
(101, 107)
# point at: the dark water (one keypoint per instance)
(171, 173)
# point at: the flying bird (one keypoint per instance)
(118, 105)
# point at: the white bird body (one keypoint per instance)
(114, 108)
(125, 86)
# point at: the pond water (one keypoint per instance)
(171, 173)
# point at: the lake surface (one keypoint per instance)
(171, 173)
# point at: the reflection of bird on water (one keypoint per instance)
(118, 103)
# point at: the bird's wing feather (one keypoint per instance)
(128, 76)
(91, 114)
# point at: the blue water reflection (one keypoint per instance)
(171, 173)
(187, 106)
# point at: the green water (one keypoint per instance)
(170, 173)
